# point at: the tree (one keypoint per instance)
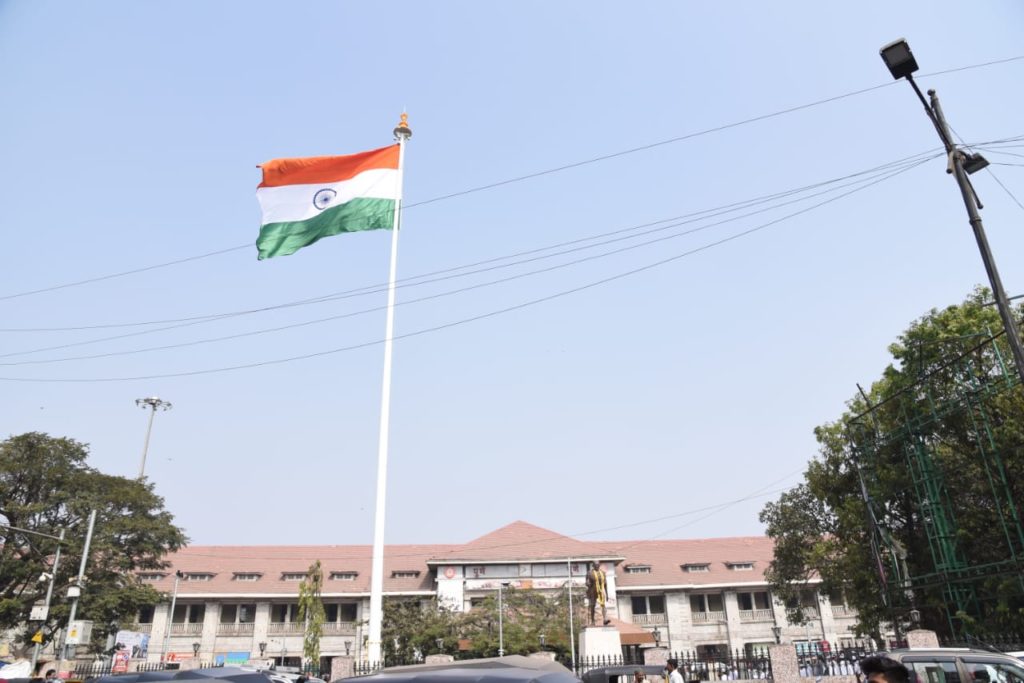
(311, 612)
(412, 628)
(45, 486)
(822, 527)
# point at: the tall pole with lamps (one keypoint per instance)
(901, 64)
(154, 403)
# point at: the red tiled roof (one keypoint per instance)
(523, 541)
(515, 542)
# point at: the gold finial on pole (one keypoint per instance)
(402, 130)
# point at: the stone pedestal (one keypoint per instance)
(600, 641)
(922, 639)
(342, 667)
(546, 654)
(439, 659)
(785, 668)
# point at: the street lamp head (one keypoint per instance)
(542, 637)
(657, 637)
(899, 59)
(195, 649)
(974, 163)
(153, 402)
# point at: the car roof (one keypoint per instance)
(949, 652)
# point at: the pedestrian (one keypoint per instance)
(52, 677)
(673, 671)
(879, 669)
(639, 677)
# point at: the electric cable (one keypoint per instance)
(489, 186)
(429, 277)
(432, 296)
(482, 316)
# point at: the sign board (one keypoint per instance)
(79, 633)
(120, 663)
(39, 613)
(136, 644)
(230, 658)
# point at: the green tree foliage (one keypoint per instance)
(821, 527)
(311, 612)
(413, 627)
(46, 485)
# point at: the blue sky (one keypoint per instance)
(131, 133)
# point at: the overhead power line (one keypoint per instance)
(482, 316)
(537, 174)
(433, 276)
(459, 290)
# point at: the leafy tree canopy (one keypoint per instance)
(46, 485)
(821, 528)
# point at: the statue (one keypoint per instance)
(597, 592)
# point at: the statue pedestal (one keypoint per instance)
(600, 641)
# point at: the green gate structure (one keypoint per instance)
(945, 448)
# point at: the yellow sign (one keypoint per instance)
(38, 637)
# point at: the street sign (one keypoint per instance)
(39, 613)
(38, 637)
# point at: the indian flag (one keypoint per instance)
(305, 199)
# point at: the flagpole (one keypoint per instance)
(373, 650)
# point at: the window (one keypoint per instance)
(740, 566)
(752, 601)
(247, 577)
(808, 599)
(145, 615)
(197, 576)
(696, 568)
(284, 613)
(648, 604)
(344, 576)
(344, 612)
(192, 614)
(405, 574)
(991, 672)
(151, 576)
(936, 672)
(638, 569)
(293, 576)
(244, 613)
(706, 602)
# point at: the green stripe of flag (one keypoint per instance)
(362, 213)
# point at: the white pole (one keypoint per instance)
(501, 630)
(49, 595)
(402, 133)
(170, 615)
(74, 602)
(572, 629)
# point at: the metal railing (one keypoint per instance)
(753, 664)
(95, 669)
(707, 617)
(827, 659)
(748, 615)
(235, 629)
(585, 664)
(650, 619)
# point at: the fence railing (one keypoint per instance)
(828, 659)
(749, 615)
(650, 619)
(98, 668)
(186, 628)
(721, 665)
(1004, 642)
(367, 668)
(585, 664)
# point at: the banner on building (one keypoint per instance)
(136, 644)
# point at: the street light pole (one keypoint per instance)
(170, 614)
(501, 627)
(78, 591)
(153, 403)
(901, 63)
(49, 595)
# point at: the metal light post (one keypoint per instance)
(572, 628)
(777, 632)
(49, 595)
(501, 624)
(170, 614)
(76, 591)
(153, 403)
(901, 63)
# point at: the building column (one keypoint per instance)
(259, 629)
(732, 620)
(158, 632)
(208, 641)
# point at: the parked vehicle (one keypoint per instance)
(960, 665)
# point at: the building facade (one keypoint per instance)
(236, 603)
